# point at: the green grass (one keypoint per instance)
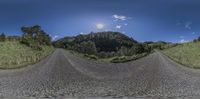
(187, 54)
(121, 59)
(115, 59)
(15, 55)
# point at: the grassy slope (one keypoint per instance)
(187, 54)
(16, 55)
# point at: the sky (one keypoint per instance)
(144, 20)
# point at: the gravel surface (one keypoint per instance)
(65, 75)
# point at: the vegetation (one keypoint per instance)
(196, 40)
(17, 51)
(127, 58)
(160, 45)
(86, 47)
(104, 41)
(113, 46)
(15, 55)
(187, 54)
(34, 37)
(2, 37)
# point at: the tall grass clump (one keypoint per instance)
(13, 54)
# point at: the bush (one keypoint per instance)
(119, 59)
(91, 56)
(127, 58)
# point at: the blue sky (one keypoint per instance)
(144, 20)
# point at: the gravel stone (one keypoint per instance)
(65, 75)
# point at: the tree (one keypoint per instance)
(137, 49)
(2, 37)
(87, 47)
(195, 40)
(198, 39)
(34, 36)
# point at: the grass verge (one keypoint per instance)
(15, 55)
(122, 59)
(187, 54)
(116, 59)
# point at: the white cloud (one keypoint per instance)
(82, 33)
(125, 24)
(183, 41)
(120, 17)
(193, 33)
(118, 26)
(188, 25)
(55, 37)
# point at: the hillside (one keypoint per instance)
(187, 54)
(160, 45)
(104, 41)
(112, 46)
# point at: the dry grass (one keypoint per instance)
(16, 55)
(187, 54)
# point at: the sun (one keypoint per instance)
(99, 26)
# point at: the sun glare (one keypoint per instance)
(99, 26)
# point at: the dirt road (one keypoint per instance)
(63, 74)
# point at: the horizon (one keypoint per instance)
(157, 20)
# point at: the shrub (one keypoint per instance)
(91, 56)
(119, 59)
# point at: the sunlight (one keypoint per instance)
(99, 26)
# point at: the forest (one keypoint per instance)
(115, 45)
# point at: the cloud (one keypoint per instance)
(55, 37)
(120, 17)
(118, 27)
(125, 24)
(82, 33)
(188, 25)
(193, 33)
(183, 41)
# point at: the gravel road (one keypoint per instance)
(65, 75)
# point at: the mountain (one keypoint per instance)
(104, 41)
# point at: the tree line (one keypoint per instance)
(4, 38)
